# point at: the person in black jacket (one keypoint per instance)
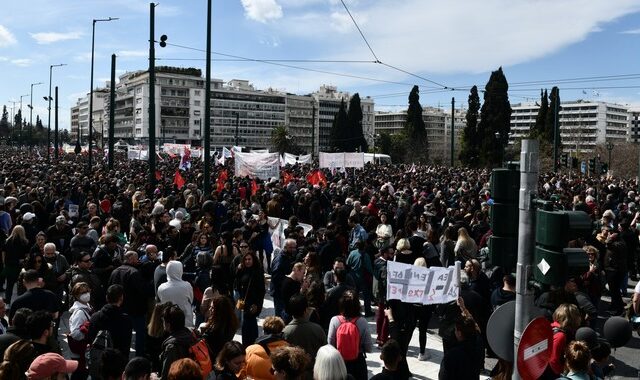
(81, 272)
(250, 286)
(113, 319)
(16, 331)
(135, 303)
(465, 351)
(180, 339)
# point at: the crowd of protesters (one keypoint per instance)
(185, 270)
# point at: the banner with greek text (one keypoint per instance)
(414, 284)
(177, 149)
(261, 165)
(331, 160)
(354, 160)
(292, 159)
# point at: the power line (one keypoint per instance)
(360, 31)
(245, 59)
(266, 60)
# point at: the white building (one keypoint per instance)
(328, 99)
(583, 124)
(437, 125)
(80, 115)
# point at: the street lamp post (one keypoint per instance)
(609, 148)
(49, 109)
(31, 105)
(21, 120)
(93, 37)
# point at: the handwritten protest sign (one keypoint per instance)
(414, 284)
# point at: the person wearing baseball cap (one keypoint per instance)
(50, 366)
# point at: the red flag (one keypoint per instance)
(178, 180)
(254, 187)
(158, 175)
(222, 178)
(317, 178)
(286, 177)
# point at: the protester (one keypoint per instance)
(249, 283)
(178, 292)
(176, 345)
(50, 366)
(289, 363)
(229, 361)
(221, 325)
(258, 362)
(329, 364)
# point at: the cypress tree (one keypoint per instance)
(538, 131)
(495, 120)
(552, 114)
(469, 144)
(339, 128)
(415, 130)
(355, 136)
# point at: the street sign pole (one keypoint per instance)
(529, 167)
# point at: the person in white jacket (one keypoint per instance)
(78, 326)
(177, 291)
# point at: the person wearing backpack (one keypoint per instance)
(112, 324)
(348, 332)
(181, 343)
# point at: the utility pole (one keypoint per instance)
(207, 109)
(556, 132)
(31, 108)
(529, 162)
(237, 125)
(49, 109)
(152, 96)
(93, 39)
(55, 138)
(313, 131)
(112, 111)
(453, 120)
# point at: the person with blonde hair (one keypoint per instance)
(258, 362)
(466, 248)
(566, 320)
(329, 364)
(404, 254)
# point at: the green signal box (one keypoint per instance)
(554, 262)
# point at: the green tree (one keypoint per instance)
(552, 115)
(469, 143)
(415, 130)
(356, 140)
(4, 123)
(538, 129)
(495, 120)
(282, 141)
(338, 136)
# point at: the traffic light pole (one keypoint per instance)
(529, 168)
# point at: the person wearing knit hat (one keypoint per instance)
(50, 366)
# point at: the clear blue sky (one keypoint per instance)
(453, 43)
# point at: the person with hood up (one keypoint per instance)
(177, 291)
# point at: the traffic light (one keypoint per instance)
(604, 168)
(574, 163)
(554, 262)
(503, 244)
(163, 40)
(592, 165)
(564, 160)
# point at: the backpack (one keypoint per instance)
(199, 352)
(348, 338)
(100, 343)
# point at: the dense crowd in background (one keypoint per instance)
(187, 271)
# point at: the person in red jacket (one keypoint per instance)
(566, 320)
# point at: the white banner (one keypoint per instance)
(414, 284)
(292, 159)
(261, 165)
(354, 160)
(133, 154)
(259, 150)
(331, 160)
(177, 149)
(197, 153)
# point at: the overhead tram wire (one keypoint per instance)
(386, 64)
(599, 78)
(275, 63)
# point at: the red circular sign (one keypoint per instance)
(534, 349)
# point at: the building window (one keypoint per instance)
(196, 92)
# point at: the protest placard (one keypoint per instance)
(414, 284)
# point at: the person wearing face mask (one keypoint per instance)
(79, 327)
